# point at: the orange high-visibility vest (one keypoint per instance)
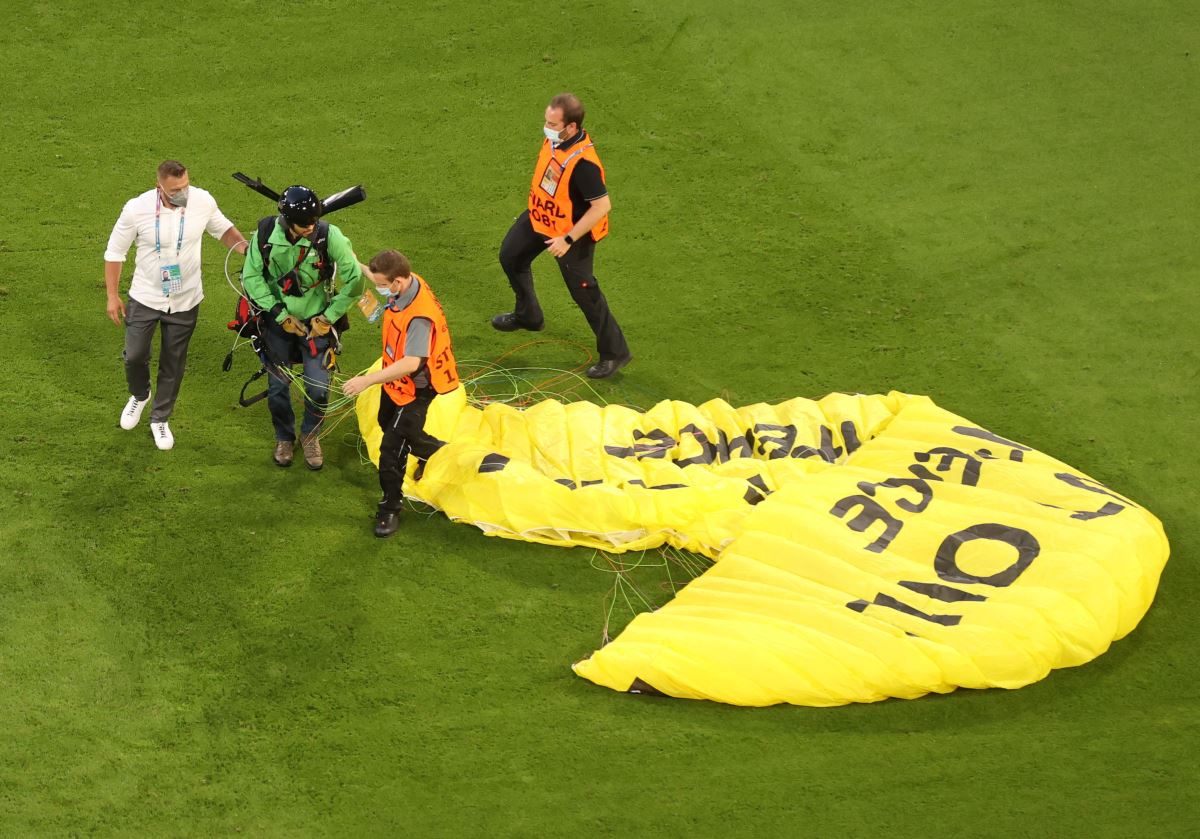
(549, 193)
(440, 366)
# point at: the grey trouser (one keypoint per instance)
(176, 328)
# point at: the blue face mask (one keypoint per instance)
(552, 135)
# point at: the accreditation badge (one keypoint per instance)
(172, 279)
(551, 176)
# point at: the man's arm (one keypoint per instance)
(220, 227)
(122, 236)
(596, 210)
(406, 366)
(255, 283)
(342, 252)
(112, 285)
(417, 346)
(233, 238)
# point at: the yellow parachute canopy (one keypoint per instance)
(866, 547)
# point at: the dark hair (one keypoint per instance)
(571, 107)
(391, 264)
(171, 169)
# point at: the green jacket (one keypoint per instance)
(265, 291)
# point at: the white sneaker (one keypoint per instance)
(133, 412)
(161, 432)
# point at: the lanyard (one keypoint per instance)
(575, 152)
(157, 242)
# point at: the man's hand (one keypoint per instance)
(319, 326)
(116, 309)
(356, 385)
(241, 247)
(294, 325)
(557, 246)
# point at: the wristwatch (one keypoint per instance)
(568, 239)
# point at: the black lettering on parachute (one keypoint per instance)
(1016, 449)
(661, 445)
(919, 483)
(493, 463)
(782, 442)
(872, 512)
(890, 602)
(946, 567)
(827, 451)
(1023, 541)
(768, 439)
(758, 490)
(948, 455)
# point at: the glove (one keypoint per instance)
(294, 325)
(319, 326)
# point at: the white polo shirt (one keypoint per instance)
(137, 224)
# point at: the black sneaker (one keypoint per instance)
(604, 369)
(508, 322)
(387, 522)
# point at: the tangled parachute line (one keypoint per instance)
(678, 566)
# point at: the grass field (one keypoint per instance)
(991, 203)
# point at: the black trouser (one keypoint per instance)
(403, 432)
(176, 331)
(521, 246)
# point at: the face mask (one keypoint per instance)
(552, 135)
(179, 199)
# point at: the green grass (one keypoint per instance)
(993, 204)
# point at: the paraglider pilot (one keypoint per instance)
(289, 275)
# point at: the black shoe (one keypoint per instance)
(604, 369)
(387, 522)
(508, 322)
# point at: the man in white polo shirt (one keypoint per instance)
(167, 223)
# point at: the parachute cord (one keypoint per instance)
(524, 392)
(625, 589)
(238, 289)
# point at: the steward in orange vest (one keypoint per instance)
(551, 209)
(566, 214)
(418, 364)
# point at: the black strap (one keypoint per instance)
(266, 226)
(320, 243)
(247, 402)
(319, 240)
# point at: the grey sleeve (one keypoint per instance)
(417, 342)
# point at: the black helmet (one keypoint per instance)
(300, 206)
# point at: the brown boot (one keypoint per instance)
(283, 452)
(313, 457)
